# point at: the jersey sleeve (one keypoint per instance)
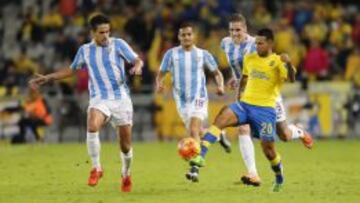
(79, 59)
(210, 62)
(125, 51)
(252, 48)
(166, 62)
(222, 44)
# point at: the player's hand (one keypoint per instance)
(159, 87)
(39, 79)
(136, 70)
(220, 90)
(233, 83)
(285, 58)
(238, 95)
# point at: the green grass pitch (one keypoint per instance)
(58, 173)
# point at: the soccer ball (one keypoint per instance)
(188, 148)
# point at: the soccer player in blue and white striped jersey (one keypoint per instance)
(104, 58)
(236, 46)
(186, 64)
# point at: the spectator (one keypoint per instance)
(25, 66)
(316, 62)
(30, 30)
(302, 16)
(316, 29)
(353, 67)
(335, 25)
(284, 37)
(262, 17)
(288, 12)
(340, 35)
(65, 47)
(356, 30)
(36, 114)
(297, 52)
(52, 21)
(67, 8)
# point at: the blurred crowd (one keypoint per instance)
(322, 37)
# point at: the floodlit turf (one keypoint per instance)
(58, 173)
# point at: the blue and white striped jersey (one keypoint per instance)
(105, 64)
(235, 52)
(187, 70)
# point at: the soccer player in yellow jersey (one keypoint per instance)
(236, 46)
(263, 74)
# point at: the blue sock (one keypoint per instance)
(277, 167)
(210, 137)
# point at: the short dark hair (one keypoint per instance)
(186, 24)
(97, 20)
(237, 17)
(267, 33)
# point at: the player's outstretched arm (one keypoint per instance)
(219, 79)
(290, 68)
(43, 79)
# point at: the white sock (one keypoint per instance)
(126, 160)
(93, 147)
(246, 146)
(296, 132)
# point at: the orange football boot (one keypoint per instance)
(95, 176)
(126, 184)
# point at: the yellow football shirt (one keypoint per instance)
(265, 77)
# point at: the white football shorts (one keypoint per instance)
(280, 110)
(118, 112)
(198, 108)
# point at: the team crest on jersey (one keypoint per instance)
(272, 63)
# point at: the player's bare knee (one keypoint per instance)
(244, 130)
(282, 136)
(125, 149)
(93, 125)
(219, 118)
(92, 128)
(220, 123)
(194, 132)
(283, 132)
(225, 118)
